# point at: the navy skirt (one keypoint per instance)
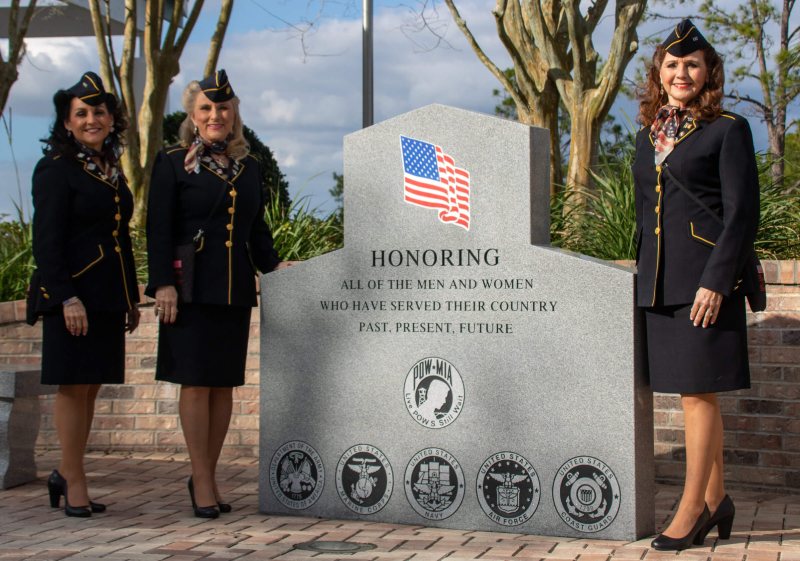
(95, 358)
(688, 359)
(206, 346)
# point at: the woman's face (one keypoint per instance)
(90, 125)
(214, 121)
(683, 77)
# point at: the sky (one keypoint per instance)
(300, 105)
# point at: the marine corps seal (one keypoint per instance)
(434, 393)
(434, 484)
(508, 489)
(364, 479)
(586, 494)
(296, 475)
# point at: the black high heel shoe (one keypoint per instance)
(224, 508)
(201, 511)
(722, 519)
(56, 487)
(695, 535)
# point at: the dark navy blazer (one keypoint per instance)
(235, 244)
(682, 248)
(81, 242)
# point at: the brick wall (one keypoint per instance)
(762, 438)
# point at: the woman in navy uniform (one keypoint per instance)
(202, 345)
(88, 295)
(689, 265)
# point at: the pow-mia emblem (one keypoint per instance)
(508, 489)
(434, 484)
(364, 479)
(586, 494)
(434, 393)
(296, 475)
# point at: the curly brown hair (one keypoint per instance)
(705, 106)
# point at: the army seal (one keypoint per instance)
(434, 393)
(586, 494)
(508, 489)
(296, 475)
(434, 484)
(364, 479)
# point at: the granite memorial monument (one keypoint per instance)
(448, 367)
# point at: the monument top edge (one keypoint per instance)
(435, 107)
(582, 257)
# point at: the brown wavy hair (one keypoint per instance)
(705, 106)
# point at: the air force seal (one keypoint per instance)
(508, 489)
(434, 393)
(296, 475)
(586, 494)
(364, 479)
(434, 484)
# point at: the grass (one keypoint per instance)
(16, 257)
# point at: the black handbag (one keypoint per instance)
(183, 255)
(752, 267)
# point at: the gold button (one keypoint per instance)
(230, 226)
(229, 243)
(658, 188)
(115, 233)
(47, 296)
(658, 168)
(657, 209)
(231, 210)
(44, 289)
(117, 217)
(118, 249)
(658, 230)
(233, 192)
(116, 199)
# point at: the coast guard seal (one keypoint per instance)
(508, 489)
(434, 393)
(434, 484)
(364, 479)
(586, 494)
(296, 475)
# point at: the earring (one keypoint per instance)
(195, 130)
(111, 128)
(69, 133)
(662, 90)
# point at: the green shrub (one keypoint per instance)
(606, 227)
(16, 257)
(298, 232)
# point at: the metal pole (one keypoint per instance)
(368, 117)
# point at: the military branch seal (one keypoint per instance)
(586, 494)
(434, 393)
(296, 475)
(508, 489)
(364, 479)
(434, 484)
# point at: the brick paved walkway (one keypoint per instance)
(149, 518)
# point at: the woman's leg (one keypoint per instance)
(194, 413)
(221, 407)
(70, 417)
(715, 491)
(703, 448)
(91, 397)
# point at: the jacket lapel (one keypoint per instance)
(94, 170)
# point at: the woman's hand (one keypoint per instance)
(133, 319)
(75, 318)
(284, 264)
(166, 304)
(706, 307)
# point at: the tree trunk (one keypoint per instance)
(584, 144)
(543, 113)
(218, 38)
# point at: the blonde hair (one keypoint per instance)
(238, 148)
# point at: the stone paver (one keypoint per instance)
(149, 518)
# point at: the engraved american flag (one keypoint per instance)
(433, 181)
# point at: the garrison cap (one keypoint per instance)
(217, 88)
(685, 39)
(89, 89)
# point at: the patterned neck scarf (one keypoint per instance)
(110, 159)
(664, 130)
(192, 161)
